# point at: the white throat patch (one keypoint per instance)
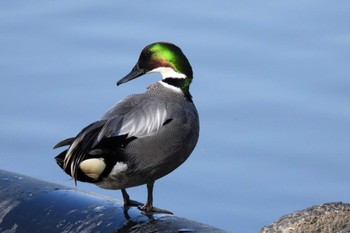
(167, 72)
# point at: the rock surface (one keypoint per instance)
(328, 218)
(30, 205)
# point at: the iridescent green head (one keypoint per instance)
(165, 58)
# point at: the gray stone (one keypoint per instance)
(326, 218)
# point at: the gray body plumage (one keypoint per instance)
(159, 148)
(164, 126)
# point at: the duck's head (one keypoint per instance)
(164, 58)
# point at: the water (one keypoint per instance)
(271, 86)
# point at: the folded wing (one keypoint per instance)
(129, 119)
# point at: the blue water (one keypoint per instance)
(271, 85)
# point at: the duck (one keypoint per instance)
(144, 136)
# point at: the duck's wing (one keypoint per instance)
(142, 119)
(133, 117)
(65, 142)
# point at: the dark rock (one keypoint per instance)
(30, 205)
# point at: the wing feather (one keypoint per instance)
(143, 119)
(135, 116)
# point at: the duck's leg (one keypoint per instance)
(128, 201)
(148, 207)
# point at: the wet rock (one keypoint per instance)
(32, 205)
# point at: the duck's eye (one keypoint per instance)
(148, 53)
